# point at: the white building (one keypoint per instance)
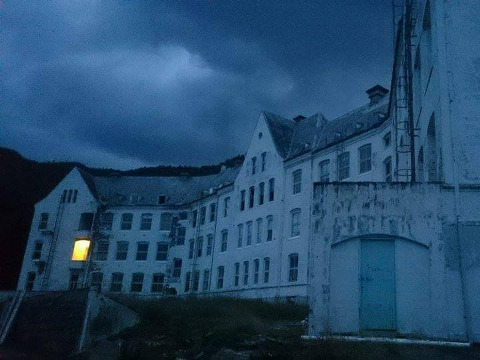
(314, 207)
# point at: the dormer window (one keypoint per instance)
(387, 139)
(254, 165)
(162, 199)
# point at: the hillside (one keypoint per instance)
(24, 182)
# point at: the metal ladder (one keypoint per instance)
(9, 316)
(53, 244)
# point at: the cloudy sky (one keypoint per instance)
(136, 83)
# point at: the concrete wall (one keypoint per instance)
(431, 296)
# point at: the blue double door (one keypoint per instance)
(377, 283)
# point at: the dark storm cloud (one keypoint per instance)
(127, 84)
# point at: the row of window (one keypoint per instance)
(261, 198)
(259, 231)
(245, 279)
(146, 221)
(121, 252)
(343, 166)
(69, 196)
(212, 214)
(263, 163)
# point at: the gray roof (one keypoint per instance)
(352, 124)
(145, 190)
(282, 131)
(316, 132)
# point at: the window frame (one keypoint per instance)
(138, 252)
(324, 171)
(343, 165)
(295, 222)
(126, 221)
(293, 267)
(136, 284)
(297, 182)
(365, 158)
(117, 252)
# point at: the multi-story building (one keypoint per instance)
(315, 205)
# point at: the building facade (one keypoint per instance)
(314, 207)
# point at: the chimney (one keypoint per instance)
(298, 118)
(376, 93)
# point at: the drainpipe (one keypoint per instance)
(445, 92)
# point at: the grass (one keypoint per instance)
(190, 327)
(223, 328)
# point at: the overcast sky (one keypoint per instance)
(125, 84)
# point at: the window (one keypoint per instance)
(127, 219)
(75, 194)
(295, 222)
(64, 196)
(251, 199)
(256, 270)
(261, 193)
(206, 279)
(297, 182)
(177, 268)
(122, 250)
(187, 281)
(96, 279)
(236, 279)
(42, 225)
(249, 233)
(240, 235)
(162, 251)
(166, 221)
(137, 282)
(343, 165)
(196, 280)
(181, 231)
(183, 215)
(203, 214)
(271, 189)
(209, 244)
(80, 249)
(116, 284)
(264, 161)
(220, 274)
(194, 218)
(191, 249)
(259, 230)
(324, 171)
(107, 221)
(199, 247)
(293, 267)
(254, 165)
(213, 210)
(387, 165)
(142, 251)
(158, 280)
(242, 200)
(86, 220)
(387, 139)
(74, 279)
(365, 155)
(269, 228)
(226, 206)
(266, 270)
(162, 199)
(37, 250)
(101, 253)
(30, 281)
(245, 273)
(224, 241)
(69, 198)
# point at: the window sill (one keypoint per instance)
(293, 237)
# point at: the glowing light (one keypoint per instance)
(80, 249)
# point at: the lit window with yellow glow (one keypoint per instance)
(80, 249)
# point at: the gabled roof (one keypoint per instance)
(281, 130)
(352, 124)
(306, 131)
(145, 190)
(315, 133)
